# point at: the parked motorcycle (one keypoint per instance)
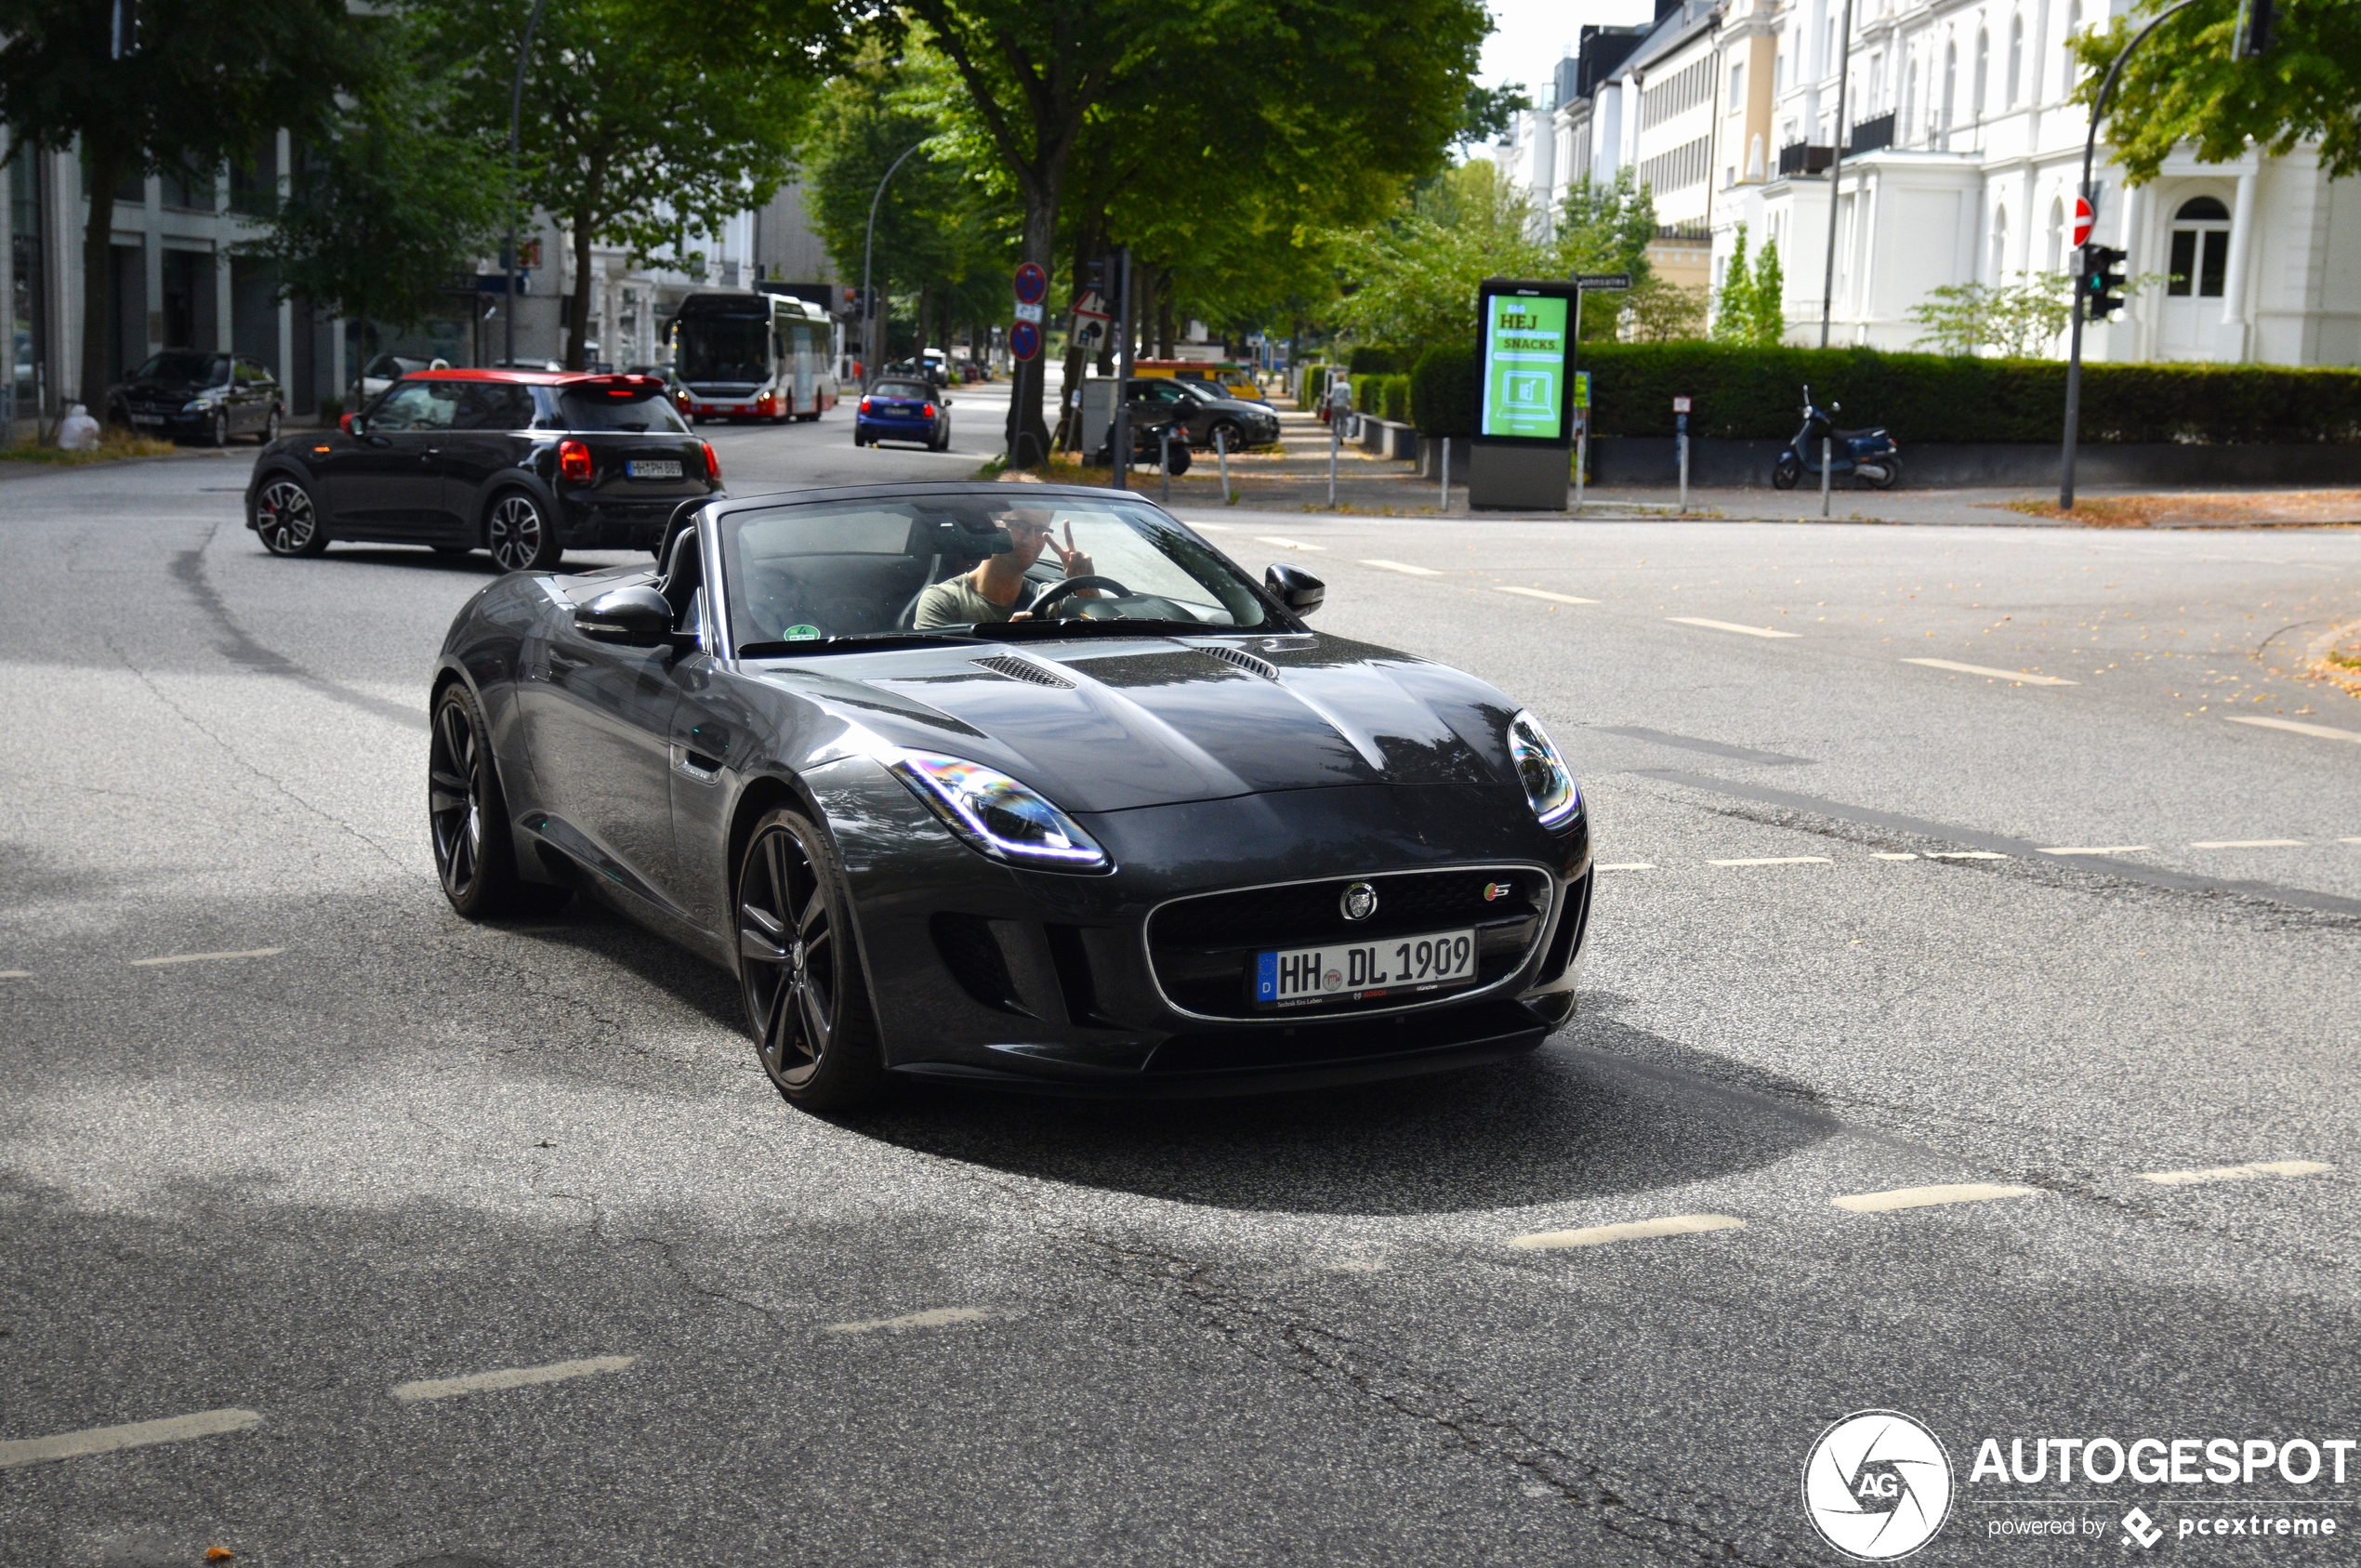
(1871, 455)
(1148, 444)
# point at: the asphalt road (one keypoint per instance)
(286, 1194)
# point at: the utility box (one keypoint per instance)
(1094, 419)
(1521, 479)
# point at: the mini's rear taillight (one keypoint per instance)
(929, 411)
(573, 459)
(712, 464)
(865, 405)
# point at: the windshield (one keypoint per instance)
(724, 349)
(181, 365)
(799, 578)
(594, 408)
(903, 389)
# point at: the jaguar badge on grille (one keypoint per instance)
(1496, 890)
(1360, 901)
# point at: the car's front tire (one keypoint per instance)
(269, 428)
(807, 999)
(287, 521)
(217, 433)
(520, 533)
(475, 855)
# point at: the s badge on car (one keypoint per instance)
(1496, 890)
(1359, 902)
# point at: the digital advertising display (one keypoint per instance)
(1525, 388)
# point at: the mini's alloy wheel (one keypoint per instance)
(806, 1000)
(519, 534)
(287, 523)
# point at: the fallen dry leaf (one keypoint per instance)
(218, 1554)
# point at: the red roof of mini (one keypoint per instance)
(538, 378)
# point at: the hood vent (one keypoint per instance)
(1243, 660)
(1017, 668)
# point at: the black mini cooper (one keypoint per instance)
(524, 464)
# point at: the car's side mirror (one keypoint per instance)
(1295, 587)
(349, 424)
(637, 617)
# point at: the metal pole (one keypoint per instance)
(1581, 455)
(869, 300)
(1336, 436)
(1581, 415)
(516, 120)
(1222, 455)
(2073, 347)
(1684, 465)
(1445, 443)
(1827, 453)
(1164, 464)
(1836, 172)
(1120, 438)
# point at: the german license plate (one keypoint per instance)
(1355, 971)
(652, 467)
(147, 419)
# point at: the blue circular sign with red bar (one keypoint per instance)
(1033, 284)
(1025, 340)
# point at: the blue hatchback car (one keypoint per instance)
(903, 411)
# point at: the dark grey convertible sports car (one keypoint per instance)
(1024, 785)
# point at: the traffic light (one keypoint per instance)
(2254, 37)
(2101, 281)
(1103, 275)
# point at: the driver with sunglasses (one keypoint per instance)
(997, 586)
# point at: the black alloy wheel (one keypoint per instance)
(806, 1000)
(1230, 434)
(290, 524)
(475, 854)
(217, 433)
(519, 535)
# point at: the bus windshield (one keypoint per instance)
(725, 348)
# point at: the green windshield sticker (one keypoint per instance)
(1524, 364)
(801, 634)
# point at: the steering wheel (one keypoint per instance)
(1059, 590)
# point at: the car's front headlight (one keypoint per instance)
(996, 814)
(1550, 786)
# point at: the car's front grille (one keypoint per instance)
(1204, 948)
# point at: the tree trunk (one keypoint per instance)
(578, 330)
(918, 351)
(98, 304)
(1163, 317)
(1086, 245)
(1028, 432)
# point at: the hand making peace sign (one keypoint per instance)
(1076, 562)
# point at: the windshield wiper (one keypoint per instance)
(856, 642)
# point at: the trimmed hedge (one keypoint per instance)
(1756, 394)
(1312, 385)
(1387, 397)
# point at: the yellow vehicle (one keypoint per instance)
(1235, 381)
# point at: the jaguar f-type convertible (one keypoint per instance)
(1025, 786)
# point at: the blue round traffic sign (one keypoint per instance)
(1025, 340)
(1032, 284)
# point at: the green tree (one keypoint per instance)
(202, 83)
(647, 123)
(2018, 320)
(1751, 309)
(1489, 111)
(1607, 227)
(1415, 279)
(2184, 86)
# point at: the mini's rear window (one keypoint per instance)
(903, 389)
(594, 408)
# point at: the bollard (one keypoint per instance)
(1581, 457)
(1447, 471)
(1336, 421)
(1222, 455)
(1825, 453)
(1685, 469)
(1164, 461)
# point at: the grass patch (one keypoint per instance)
(2133, 512)
(114, 444)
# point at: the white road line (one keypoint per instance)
(507, 1378)
(1926, 1197)
(2248, 844)
(205, 958)
(1625, 865)
(936, 1317)
(1552, 597)
(16, 974)
(1631, 1231)
(2341, 841)
(1728, 625)
(2095, 850)
(1995, 674)
(1404, 566)
(2235, 1173)
(2318, 732)
(138, 1434)
(1964, 855)
(1779, 860)
(1285, 543)
(1895, 857)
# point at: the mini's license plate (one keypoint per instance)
(147, 419)
(1352, 971)
(652, 467)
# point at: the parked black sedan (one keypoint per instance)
(524, 464)
(197, 396)
(1107, 819)
(1199, 408)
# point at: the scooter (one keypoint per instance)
(1151, 439)
(1871, 456)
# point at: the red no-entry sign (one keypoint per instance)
(2082, 220)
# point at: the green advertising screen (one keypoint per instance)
(1525, 368)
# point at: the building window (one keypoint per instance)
(2070, 68)
(1738, 85)
(1754, 157)
(2200, 249)
(2057, 234)
(1999, 241)
(1950, 84)
(1983, 68)
(2017, 60)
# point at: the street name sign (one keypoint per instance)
(1602, 280)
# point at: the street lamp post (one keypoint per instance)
(516, 119)
(1836, 171)
(868, 301)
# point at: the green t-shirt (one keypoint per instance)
(955, 602)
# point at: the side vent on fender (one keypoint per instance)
(1243, 660)
(1017, 668)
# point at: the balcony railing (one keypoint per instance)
(1870, 135)
(1803, 158)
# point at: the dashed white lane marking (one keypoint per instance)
(1404, 566)
(936, 1317)
(2236, 1173)
(1895, 857)
(16, 974)
(2341, 841)
(1995, 674)
(1728, 625)
(2318, 732)
(1965, 855)
(1631, 1231)
(1552, 597)
(1779, 860)
(138, 1434)
(1928, 1197)
(1626, 865)
(1285, 543)
(507, 1378)
(2248, 844)
(205, 958)
(2095, 850)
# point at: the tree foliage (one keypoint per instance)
(1489, 111)
(2184, 86)
(2017, 321)
(1752, 311)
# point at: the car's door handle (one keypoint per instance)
(561, 663)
